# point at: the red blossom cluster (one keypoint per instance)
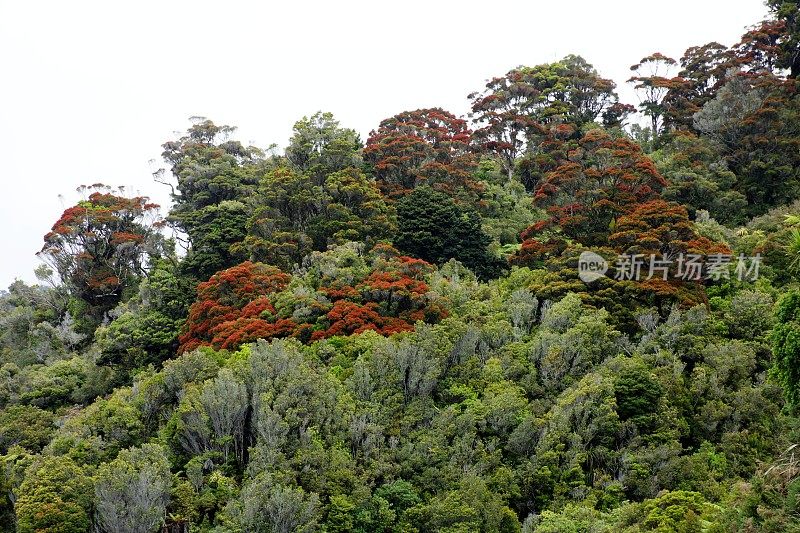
(234, 307)
(97, 246)
(588, 183)
(426, 146)
(237, 305)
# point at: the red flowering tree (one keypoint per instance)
(704, 69)
(661, 228)
(101, 246)
(515, 108)
(390, 298)
(760, 48)
(654, 227)
(426, 146)
(604, 193)
(587, 183)
(234, 307)
(387, 294)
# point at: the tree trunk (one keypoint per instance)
(181, 526)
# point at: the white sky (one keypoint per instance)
(90, 90)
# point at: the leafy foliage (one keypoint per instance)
(100, 247)
(433, 227)
(319, 147)
(586, 184)
(294, 216)
(423, 147)
(343, 347)
(255, 301)
(513, 109)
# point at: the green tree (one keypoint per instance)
(213, 175)
(319, 146)
(215, 231)
(786, 345)
(786, 13)
(146, 330)
(269, 507)
(132, 491)
(55, 497)
(294, 216)
(26, 426)
(637, 392)
(699, 178)
(653, 81)
(432, 227)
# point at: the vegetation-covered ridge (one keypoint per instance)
(395, 335)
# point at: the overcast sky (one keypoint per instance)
(90, 90)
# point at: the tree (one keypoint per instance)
(514, 108)
(755, 119)
(704, 70)
(216, 232)
(676, 511)
(354, 210)
(147, 326)
(586, 184)
(663, 231)
(237, 295)
(294, 216)
(214, 176)
(225, 401)
(26, 426)
(35, 323)
(786, 11)
(132, 491)
(638, 393)
(255, 301)
(55, 497)
(723, 117)
(571, 341)
(760, 48)
(271, 507)
(12, 473)
(698, 177)
(101, 247)
(431, 226)
(471, 507)
(653, 83)
(319, 147)
(786, 345)
(209, 167)
(661, 228)
(585, 95)
(423, 147)
(579, 436)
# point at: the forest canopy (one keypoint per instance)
(561, 313)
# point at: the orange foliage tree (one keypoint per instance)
(255, 301)
(603, 193)
(426, 146)
(234, 307)
(587, 183)
(102, 245)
